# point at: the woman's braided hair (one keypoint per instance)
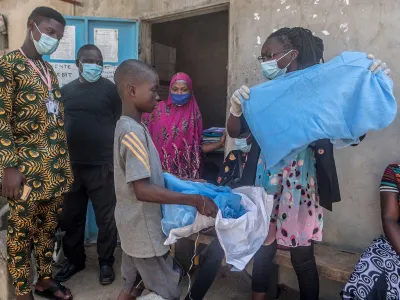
(310, 47)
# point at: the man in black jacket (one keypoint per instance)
(92, 108)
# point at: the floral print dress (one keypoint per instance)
(296, 213)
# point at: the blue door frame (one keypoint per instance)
(84, 26)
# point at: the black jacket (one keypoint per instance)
(328, 183)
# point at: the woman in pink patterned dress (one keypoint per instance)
(177, 130)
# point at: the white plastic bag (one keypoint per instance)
(200, 222)
(241, 238)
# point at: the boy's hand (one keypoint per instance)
(207, 207)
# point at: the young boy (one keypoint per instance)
(140, 189)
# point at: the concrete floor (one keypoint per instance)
(228, 286)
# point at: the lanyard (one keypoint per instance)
(45, 75)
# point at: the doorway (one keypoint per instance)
(197, 46)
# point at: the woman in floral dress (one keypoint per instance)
(302, 187)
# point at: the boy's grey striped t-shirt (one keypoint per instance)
(136, 158)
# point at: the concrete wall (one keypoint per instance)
(17, 11)
(202, 52)
(365, 25)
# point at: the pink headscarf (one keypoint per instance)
(177, 133)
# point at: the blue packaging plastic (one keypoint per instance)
(177, 216)
(340, 100)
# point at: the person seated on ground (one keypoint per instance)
(377, 274)
(176, 127)
(140, 191)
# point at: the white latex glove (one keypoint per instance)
(236, 105)
(378, 65)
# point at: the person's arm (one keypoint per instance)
(390, 218)
(12, 177)
(148, 192)
(233, 126)
(134, 155)
(207, 148)
(8, 156)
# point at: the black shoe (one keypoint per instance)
(67, 271)
(107, 275)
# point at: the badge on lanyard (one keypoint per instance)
(52, 104)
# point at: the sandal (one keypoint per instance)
(50, 293)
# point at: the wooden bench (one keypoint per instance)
(333, 264)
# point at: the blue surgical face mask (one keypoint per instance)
(270, 68)
(46, 45)
(180, 99)
(91, 72)
(241, 144)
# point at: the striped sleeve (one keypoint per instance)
(135, 155)
(390, 179)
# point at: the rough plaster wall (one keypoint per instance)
(18, 11)
(364, 25)
(202, 52)
(140, 8)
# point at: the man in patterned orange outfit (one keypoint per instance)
(33, 153)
